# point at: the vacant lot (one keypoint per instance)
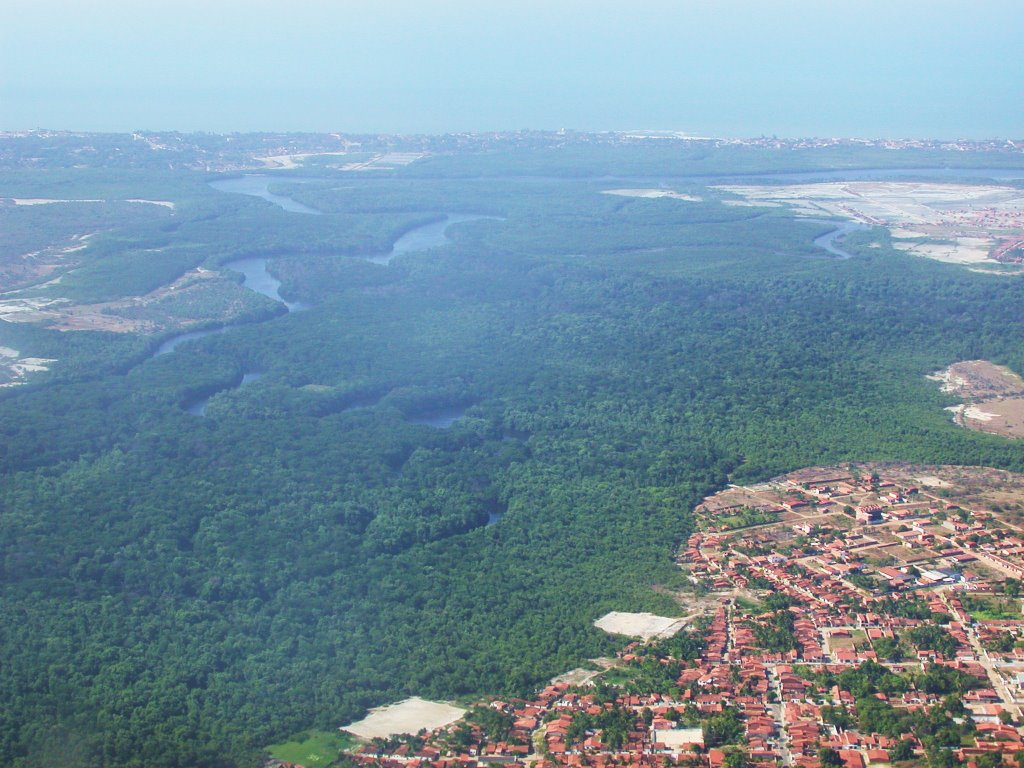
(643, 625)
(409, 716)
(311, 749)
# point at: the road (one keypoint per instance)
(779, 713)
(998, 684)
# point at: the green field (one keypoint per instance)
(311, 749)
(993, 608)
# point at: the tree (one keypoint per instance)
(888, 649)
(737, 758)
(829, 758)
(903, 750)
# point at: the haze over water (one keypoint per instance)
(724, 68)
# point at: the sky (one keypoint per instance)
(730, 68)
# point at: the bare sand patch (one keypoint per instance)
(14, 369)
(163, 203)
(962, 250)
(999, 417)
(385, 161)
(974, 412)
(578, 676)
(52, 201)
(752, 203)
(651, 193)
(679, 739)
(48, 201)
(932, 481)
(409, 716)
(642, 625)
(289, 162)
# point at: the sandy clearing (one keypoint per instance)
(964, 250)
(978, 380)
(385, 161)
(1001, 417)
(932, 481)
(643, 625)
(51, 201)
(48, 201)
(651, 193)
(974, 412)
(18, 368)
(752, 203)
(289, 162)
(163, 203)
(578, 676)
(409, 716)
(679, 738)
(64, 315)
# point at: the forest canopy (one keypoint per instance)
(180, 589)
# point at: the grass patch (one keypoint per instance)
(995, 615)
(745, 518)
(983, 609)
(619, 676)
(753, 607)
(311, 748)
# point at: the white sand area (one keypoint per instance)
(651, 193)
(409, 716)
(643, 625)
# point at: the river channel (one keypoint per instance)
(433, 235)
(843, 228)
(257, 278)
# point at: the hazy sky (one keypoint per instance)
(725, 68)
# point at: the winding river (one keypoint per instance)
(426, 237)
(842, 228)
(258, 185)
(258, 279)
(433, 235)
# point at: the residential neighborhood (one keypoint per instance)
(857, 617)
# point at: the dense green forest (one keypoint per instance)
(181, 589)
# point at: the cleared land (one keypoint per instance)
(312, 749)
(409, 716)
(652, 193)
(956, 223)
(642, 625)
(198, 296)
(979, 380)
(52, 201)
(679, 738)
(993, 395)
(998, 417)
(14, 368)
